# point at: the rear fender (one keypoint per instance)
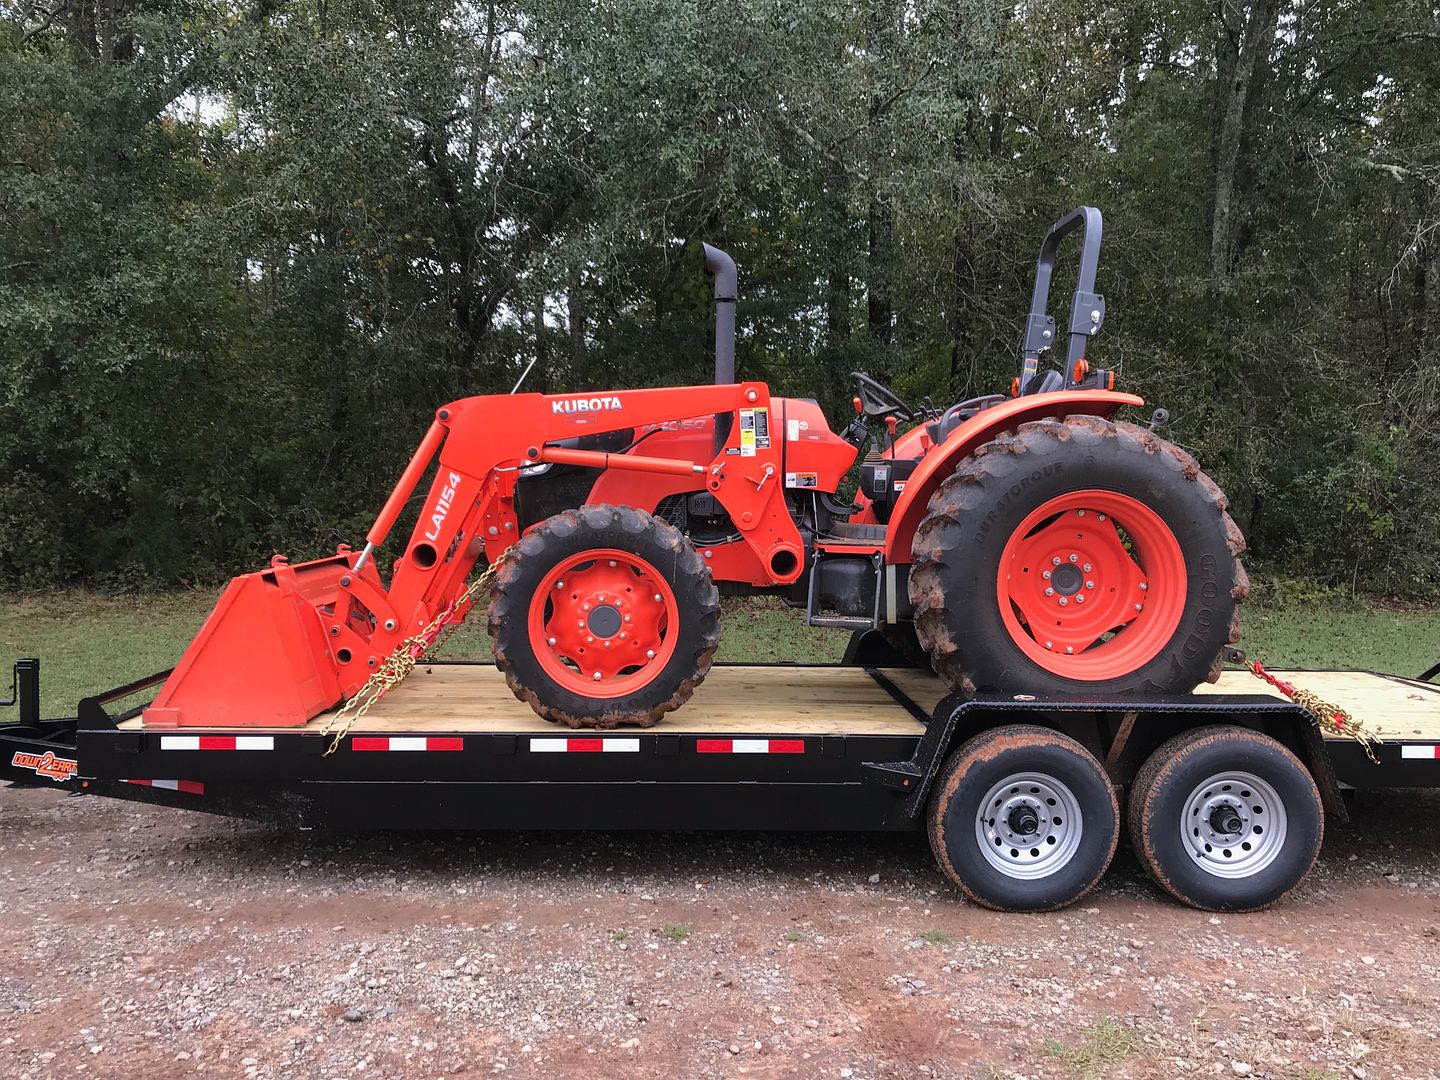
(985, 425)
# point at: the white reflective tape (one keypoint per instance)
(168, 785)
(407, 742)
(254, 742)
(1418, 751)
(749, 746)
(792, 430)
(179, 742)
(548, 746)
(622, 746)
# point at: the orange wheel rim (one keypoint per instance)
(603, 623)
(1092, 585)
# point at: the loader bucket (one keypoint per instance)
(261, 659)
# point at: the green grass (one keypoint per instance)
(794, 935)
(677, 931)
(1101, 1046)
(936, 937)
(88, 643)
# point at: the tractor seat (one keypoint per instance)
(843, 532)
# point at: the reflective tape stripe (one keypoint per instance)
(584, 746)
(1420, 751)
(749, 746)
(406, 742)
(192, 787)
(217, 742)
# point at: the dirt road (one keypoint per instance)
(138, 941)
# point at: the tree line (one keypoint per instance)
(248, 246)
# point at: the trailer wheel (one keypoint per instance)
(1023, 819)
(604, 616)
(1077, 556)
(1225, 819)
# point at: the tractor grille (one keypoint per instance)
(672, 511)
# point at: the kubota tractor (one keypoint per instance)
(1027, 542)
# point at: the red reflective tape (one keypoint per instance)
(712, 746)
(194, 787)
(787, 746)
(441, 742)
(585, 746)
(369, 742)
(217, 742)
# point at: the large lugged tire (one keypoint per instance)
(1225, 819)
(1023, 818)
(1078, 556)
(604, 616)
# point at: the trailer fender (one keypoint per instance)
(933, 469)
(1121, 735)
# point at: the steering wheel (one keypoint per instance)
(878, 400)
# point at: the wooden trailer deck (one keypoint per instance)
(824, 700)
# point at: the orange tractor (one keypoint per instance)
(1028, 542)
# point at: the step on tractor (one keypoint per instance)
(1029, 542)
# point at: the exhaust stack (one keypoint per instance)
(726, 286)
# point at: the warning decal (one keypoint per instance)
(802, 479)
(754, 431)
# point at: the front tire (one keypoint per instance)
(1225, 819)
(603, 616)
(1023, 819)
(1077, 556)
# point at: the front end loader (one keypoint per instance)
(1027, 542)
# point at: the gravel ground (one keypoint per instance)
(140, 941)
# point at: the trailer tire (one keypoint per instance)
(1145, 561)
(1032, 779)
(1225, 819)
(603, 616)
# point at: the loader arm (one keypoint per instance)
(289, 642)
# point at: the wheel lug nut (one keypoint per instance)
(1087, 568)
(649, 654)
(1080, 599)
(1049, 591)
(597, 676)
(1144, 586)
(1139, 607)
(612, 562)
(559, 584)
(550, 641)
(1055, 561)
(627, 618)
(1089, 584)
(1063, 601)
(1069, 650)
(584, 607)
(589, 641)
(1049, 645)
(1046, 575)
(657, 598)
(607, 644)
(1074, 557)
(1101, 517)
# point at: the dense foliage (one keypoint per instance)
(246, 250)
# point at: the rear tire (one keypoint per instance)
(1023, 818)
(603, 616)
(1077, 556)
(1225, 819)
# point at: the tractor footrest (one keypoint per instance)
(841, 622)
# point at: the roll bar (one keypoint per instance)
(1087, 307)
(722, 266)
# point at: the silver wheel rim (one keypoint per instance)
(1234, 825)
(1029, 826)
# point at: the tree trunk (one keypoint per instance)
(575, 316)
(1241, 53)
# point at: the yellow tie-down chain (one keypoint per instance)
(399, 664)
(1332, 718)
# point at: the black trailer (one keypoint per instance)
(1225, 791)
